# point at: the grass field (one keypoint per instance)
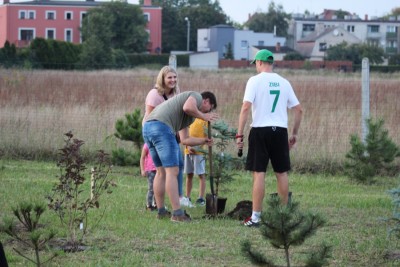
(38, 107)
(129, 235)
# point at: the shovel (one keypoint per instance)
(211, 199)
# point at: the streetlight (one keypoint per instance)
(188, 32)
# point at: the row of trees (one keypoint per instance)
(116, 29)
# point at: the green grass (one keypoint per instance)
(130, 236)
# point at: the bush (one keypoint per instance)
(374, 157)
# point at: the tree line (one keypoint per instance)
(115, 31)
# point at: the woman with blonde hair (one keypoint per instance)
(166, 87)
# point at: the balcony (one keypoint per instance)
(391, 35)
(391, 50)
(374, 35)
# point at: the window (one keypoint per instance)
(148, 35)
(260, 43)
(51, 15)
(68, 35)
(146, 17)
(373, 28)
(26, 34)
(391, 29)
(243, 44)
(392, 44)
(322, 47)
(50, 34)
(308, 27)
(350, 28)
(22, 14)
(31, 14)
(68, 15)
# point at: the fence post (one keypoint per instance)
(172, 61)
(365, 98)
(92, 183)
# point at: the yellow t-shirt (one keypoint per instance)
(197, 129)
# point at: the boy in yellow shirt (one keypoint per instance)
(195, 161)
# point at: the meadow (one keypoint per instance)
(38, 107)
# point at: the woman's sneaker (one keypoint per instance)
(250, 223)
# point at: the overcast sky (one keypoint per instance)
(239, 10)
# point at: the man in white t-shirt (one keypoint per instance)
(268, 96)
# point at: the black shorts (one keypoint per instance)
(268, 143)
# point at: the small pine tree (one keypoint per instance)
(36, 237)
(285, 226)
(224, 163)
(129, 129)
(394, 221)
(374, 157)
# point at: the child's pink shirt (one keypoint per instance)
(148, 161)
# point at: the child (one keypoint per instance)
(148, 168)
(195, 162)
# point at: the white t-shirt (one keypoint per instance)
(271, 95)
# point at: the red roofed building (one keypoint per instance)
(60, 20)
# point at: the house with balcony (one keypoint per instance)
(384, 33)
(21, 22)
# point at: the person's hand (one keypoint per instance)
(208, 141)
(211, 116)
(191, 150)
(239, 143)
(292, 141)
(143, 173)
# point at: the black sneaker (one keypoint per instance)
(250, 223)
(200, 202)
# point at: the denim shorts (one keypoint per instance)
(163, 147)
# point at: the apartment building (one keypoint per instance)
(383, 33)
(21, 22)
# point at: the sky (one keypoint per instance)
(239, 10)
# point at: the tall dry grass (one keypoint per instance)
(38, 107)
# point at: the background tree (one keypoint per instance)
(122, 26)
(201, 13)
(265, 22)
(8, 55)
(355, 53)
(341, 13)
(112, 26)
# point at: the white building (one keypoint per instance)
(374, 31)
(217, 38)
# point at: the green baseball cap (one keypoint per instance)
(264, 55)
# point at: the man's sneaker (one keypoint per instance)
(250, 223)
(200, 201)
(165, 215)
(182, 218)
(151, 208)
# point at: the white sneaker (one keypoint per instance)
(185, 202)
